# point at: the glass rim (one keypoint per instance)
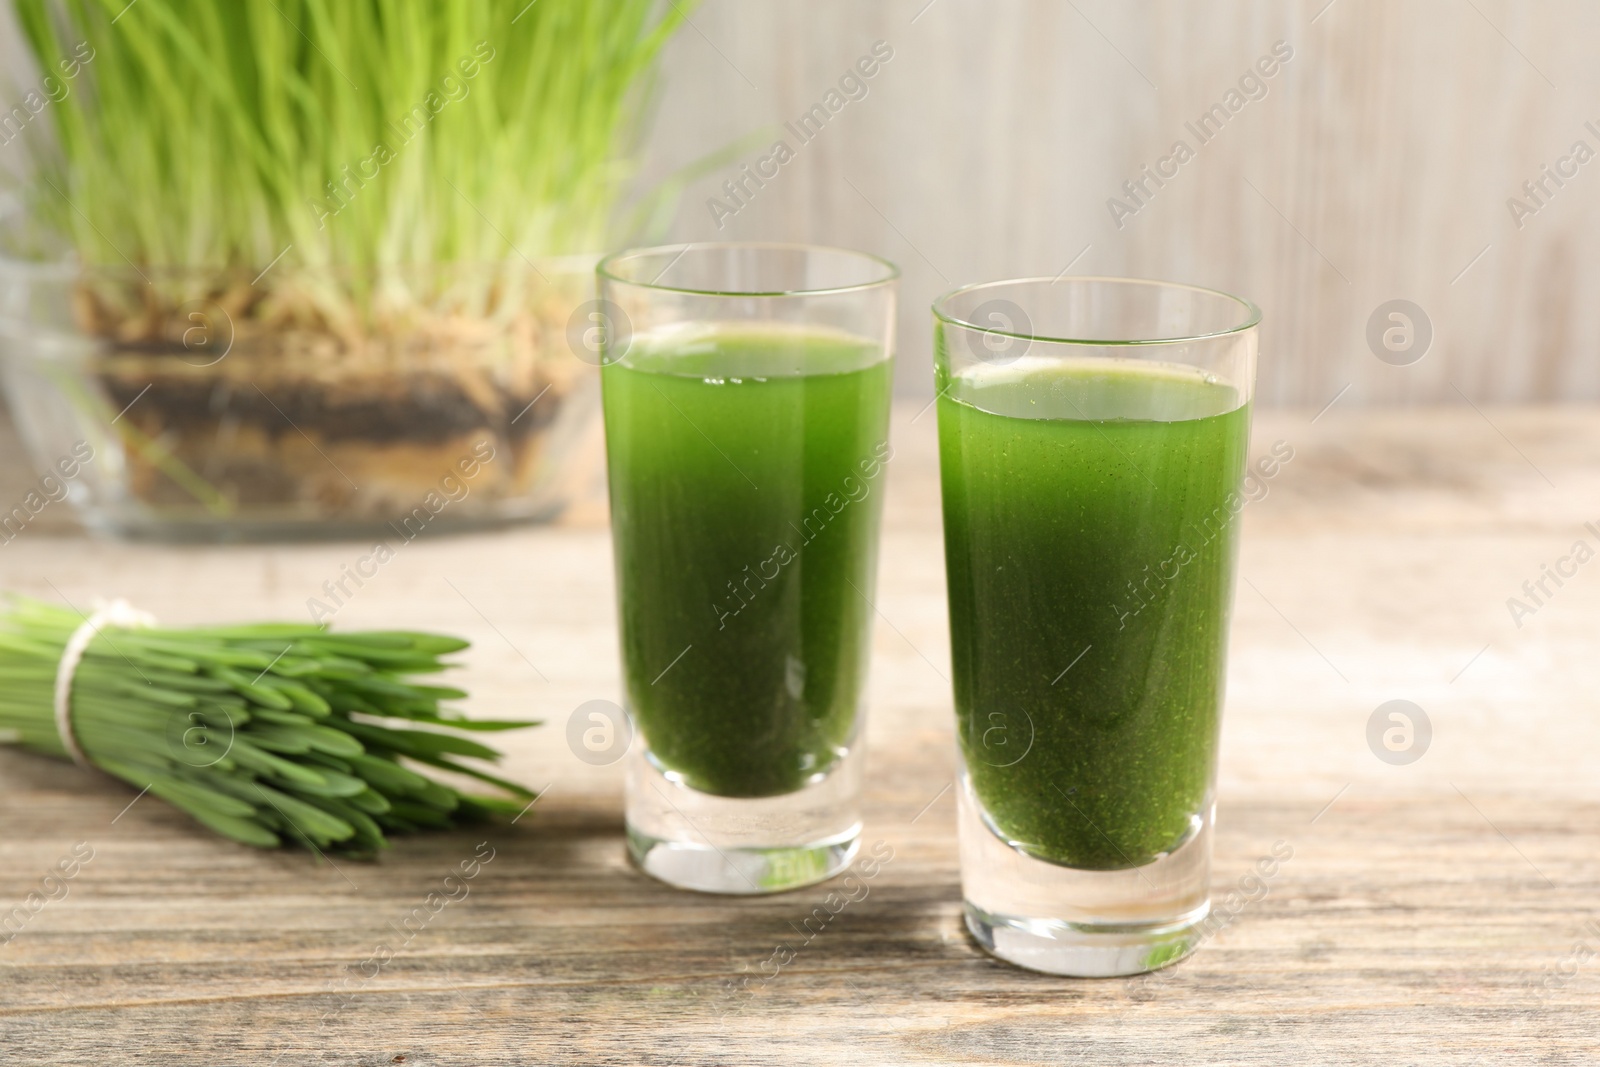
(604, 269)
(1252, 313)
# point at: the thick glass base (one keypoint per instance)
(1087, 924)
(1083, 950)
(713, 844)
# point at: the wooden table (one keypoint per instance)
(1444, 911)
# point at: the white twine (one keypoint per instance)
(116, 613)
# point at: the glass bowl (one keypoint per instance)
(208, 405)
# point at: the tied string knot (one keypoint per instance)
(118, 613)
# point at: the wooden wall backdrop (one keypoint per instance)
(1377, 166)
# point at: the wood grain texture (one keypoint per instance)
(1431, 913)
(1377, 165)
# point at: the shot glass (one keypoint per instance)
(1092, 438)
(746, 393)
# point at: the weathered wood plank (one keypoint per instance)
(1377, 165)
(1426, 916)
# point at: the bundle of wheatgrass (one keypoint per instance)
(267, 734)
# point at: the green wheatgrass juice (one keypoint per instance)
(1090, 547)
(746, 465)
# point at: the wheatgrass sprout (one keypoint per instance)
(343, 142)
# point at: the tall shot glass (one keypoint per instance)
(746, 391)
(1092, 438)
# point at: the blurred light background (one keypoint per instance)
(1377, 163)
(1377, 166)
